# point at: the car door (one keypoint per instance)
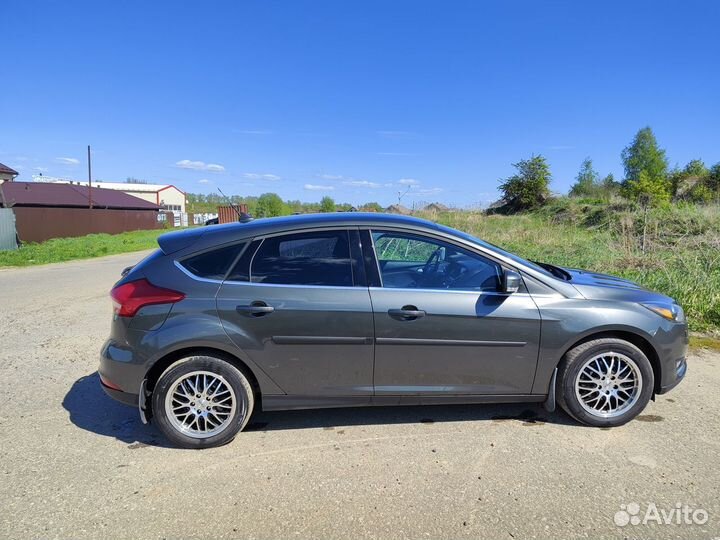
(442, 324)
(298, 306)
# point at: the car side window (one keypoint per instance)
(411, 261)
(311, 258)
(213, 264)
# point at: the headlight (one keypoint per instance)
(671, 312)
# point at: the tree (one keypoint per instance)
(371, 207)
(646, 191)
(587, 181)
(270, 205)
(609, 184)
(133, 180)
(691, 183)
(327, 204)
(529, 188)
(696, 168)
(644, 155)
(713, 179)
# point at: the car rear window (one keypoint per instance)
(213, 264)
(312, 258)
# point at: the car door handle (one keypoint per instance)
(406, 313)
(256, 309)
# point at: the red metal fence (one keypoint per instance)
(37, 224)
(228, 214)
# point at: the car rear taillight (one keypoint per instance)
(129, 297)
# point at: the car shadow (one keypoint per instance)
(528, 414)
(92, 410)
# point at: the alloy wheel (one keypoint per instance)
(201, 404)
(608, 384)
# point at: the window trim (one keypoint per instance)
(439, 238)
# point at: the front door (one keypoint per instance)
(442, 326)
(296, 312)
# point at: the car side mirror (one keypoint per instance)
(511, 281)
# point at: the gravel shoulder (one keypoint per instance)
(75, 464)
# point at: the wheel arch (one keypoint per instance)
(163, 363)
(638, 340)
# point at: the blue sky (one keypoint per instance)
(353, 99)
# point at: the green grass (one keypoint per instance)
(681, 257)
(704, 342)
(83, 247)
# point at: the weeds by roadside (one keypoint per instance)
(82, 247)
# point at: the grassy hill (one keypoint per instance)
(675, 250)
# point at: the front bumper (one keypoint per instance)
(680, 371)
(671, 343)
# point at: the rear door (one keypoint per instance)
(442, 326)
(297, 304)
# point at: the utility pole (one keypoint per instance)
(90, 203)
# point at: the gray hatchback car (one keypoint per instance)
(341, 310)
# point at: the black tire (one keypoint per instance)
(228, 374)
(573, 362)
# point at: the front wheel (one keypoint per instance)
(202, 402)
(605, 382)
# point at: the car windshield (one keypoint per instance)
(499, 250)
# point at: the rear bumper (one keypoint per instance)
(125, 398)
(120, 376)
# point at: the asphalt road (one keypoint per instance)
(75, 464)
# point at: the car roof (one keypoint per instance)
(203, 237)
(303, 221)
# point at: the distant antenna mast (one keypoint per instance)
(402, 194)
(89, 181)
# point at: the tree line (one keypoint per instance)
(271, 204)
(648, 179)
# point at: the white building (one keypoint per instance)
(7, 174)
(166, 195)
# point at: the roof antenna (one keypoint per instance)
(242, 216)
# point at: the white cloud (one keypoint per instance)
(317, 187)
(408, 182)
(68, 160)
(199, 166)
(361, 183)
(261, 176)
(203, 181)
(40, 169)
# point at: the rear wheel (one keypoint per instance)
(605, 382)
(202, 402)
